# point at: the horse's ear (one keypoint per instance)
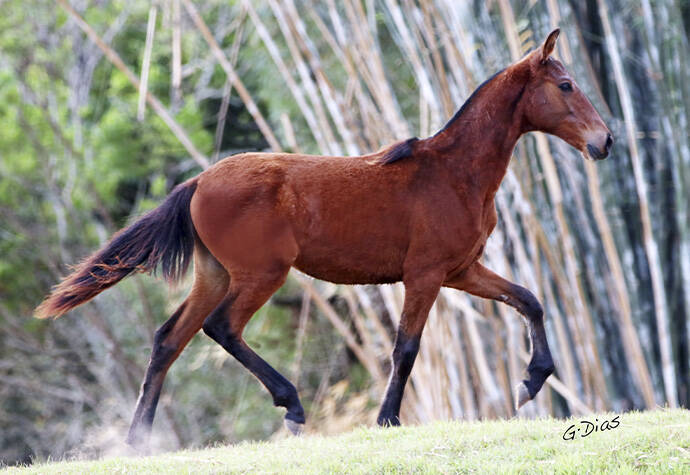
(549, 45)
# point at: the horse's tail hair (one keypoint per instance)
(162, 236)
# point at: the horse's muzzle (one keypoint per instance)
(600, 153)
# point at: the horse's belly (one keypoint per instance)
(343, 266)
(346, 242)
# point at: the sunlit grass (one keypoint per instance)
(656, 441)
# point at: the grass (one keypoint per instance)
(656, 441)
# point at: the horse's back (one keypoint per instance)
(341, 219)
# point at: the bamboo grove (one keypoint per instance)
(605, 246)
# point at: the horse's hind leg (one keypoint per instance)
(480, 281)
(248, 292)
(210, 285)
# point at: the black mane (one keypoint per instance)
(404, 149)
(398, 151)
(468, 102)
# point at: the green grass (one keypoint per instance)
(656, 441)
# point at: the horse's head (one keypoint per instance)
(553, 103)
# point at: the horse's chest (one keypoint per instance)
(490, 218)
(469, 231)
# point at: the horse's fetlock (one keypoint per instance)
(284, 397)
(541, 368)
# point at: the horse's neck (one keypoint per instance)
(478, 144)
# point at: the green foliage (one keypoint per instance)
(74, 168)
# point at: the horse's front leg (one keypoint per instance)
(420, 293)
(480, 281)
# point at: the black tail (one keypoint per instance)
(163, 236)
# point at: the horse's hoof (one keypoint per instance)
(388, 421)
(295, 427)
(138, 443)
(521, 395)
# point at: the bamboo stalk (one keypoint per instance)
(471, 316)
(582, 319)
(289, 132)
(381, 332)
(227, 89)
(146, 62)
(301, 333)
(510, 28)
(155, 104)
(502, 371)
(176, 69)
(631, 345)
(468, 405)
(371, 117)
(367, 361)
(332, 98)
(429, 33)
(295, 90)
(367, 57)
(360, 324)
(412, 54)
(679, 140)
(650, 246)
(242, 91)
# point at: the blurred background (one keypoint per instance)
(106, 105)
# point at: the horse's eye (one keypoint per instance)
(565, 87)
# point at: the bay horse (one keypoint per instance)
(419, 211)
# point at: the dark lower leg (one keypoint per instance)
(140, 428)
(541, 364)
(420, 292)
(404, 354)
(480, 281)
(162, 357)
(282, 391)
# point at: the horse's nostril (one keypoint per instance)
(609, 142)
